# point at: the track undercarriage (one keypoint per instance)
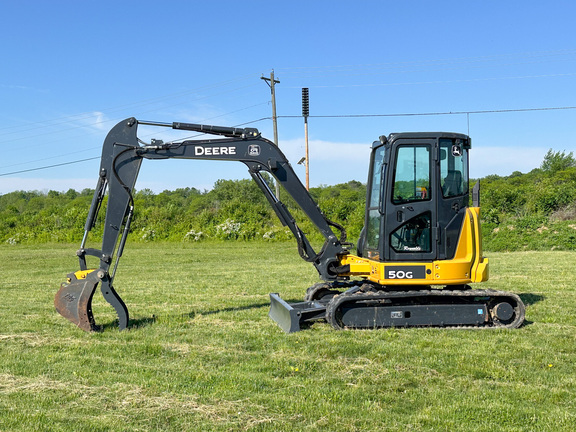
(358, 305)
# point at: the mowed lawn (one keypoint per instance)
(201, 353)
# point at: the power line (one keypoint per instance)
(98, 157)
(86, 116)
(48, 158)
(49, 166)
(500, 111)
(435, 113)
(75, 125)
(210, 118)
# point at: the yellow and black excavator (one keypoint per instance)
(419, 250)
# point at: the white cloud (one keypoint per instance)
(326, 151)
(95, 120)
(330, 162)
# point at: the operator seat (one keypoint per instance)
(452, 185)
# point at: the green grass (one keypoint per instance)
(201, 353)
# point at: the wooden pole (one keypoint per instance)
(272, 82)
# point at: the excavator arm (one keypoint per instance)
(122, 156)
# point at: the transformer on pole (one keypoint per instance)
(305, 114)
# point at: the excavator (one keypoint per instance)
(419, 250)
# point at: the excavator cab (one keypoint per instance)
(417, 197)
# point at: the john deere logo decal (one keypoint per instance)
(253, 150)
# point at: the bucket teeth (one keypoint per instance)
(74, 301)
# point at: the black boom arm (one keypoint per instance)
(122, 156)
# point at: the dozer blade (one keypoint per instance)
(74, 300)
(290, 316)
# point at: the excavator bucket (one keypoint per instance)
(74, 299)
(289, 316)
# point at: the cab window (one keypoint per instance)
(412, 174)
(376, 186)
(453, 168)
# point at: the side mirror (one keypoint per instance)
(476, 194)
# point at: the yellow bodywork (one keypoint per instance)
(81, 274)
(467, 266)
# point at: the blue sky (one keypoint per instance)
(71, 70)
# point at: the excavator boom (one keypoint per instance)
(122, 156)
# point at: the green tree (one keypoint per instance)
(557, 161)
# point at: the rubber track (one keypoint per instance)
(319, 290)
(519, 308)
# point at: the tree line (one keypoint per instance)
(532, 211)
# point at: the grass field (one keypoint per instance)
(202, 355)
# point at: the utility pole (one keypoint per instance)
(271, 83)
(305, 114)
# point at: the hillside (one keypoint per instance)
(533, 211)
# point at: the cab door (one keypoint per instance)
(410, 223)
(452, 192)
